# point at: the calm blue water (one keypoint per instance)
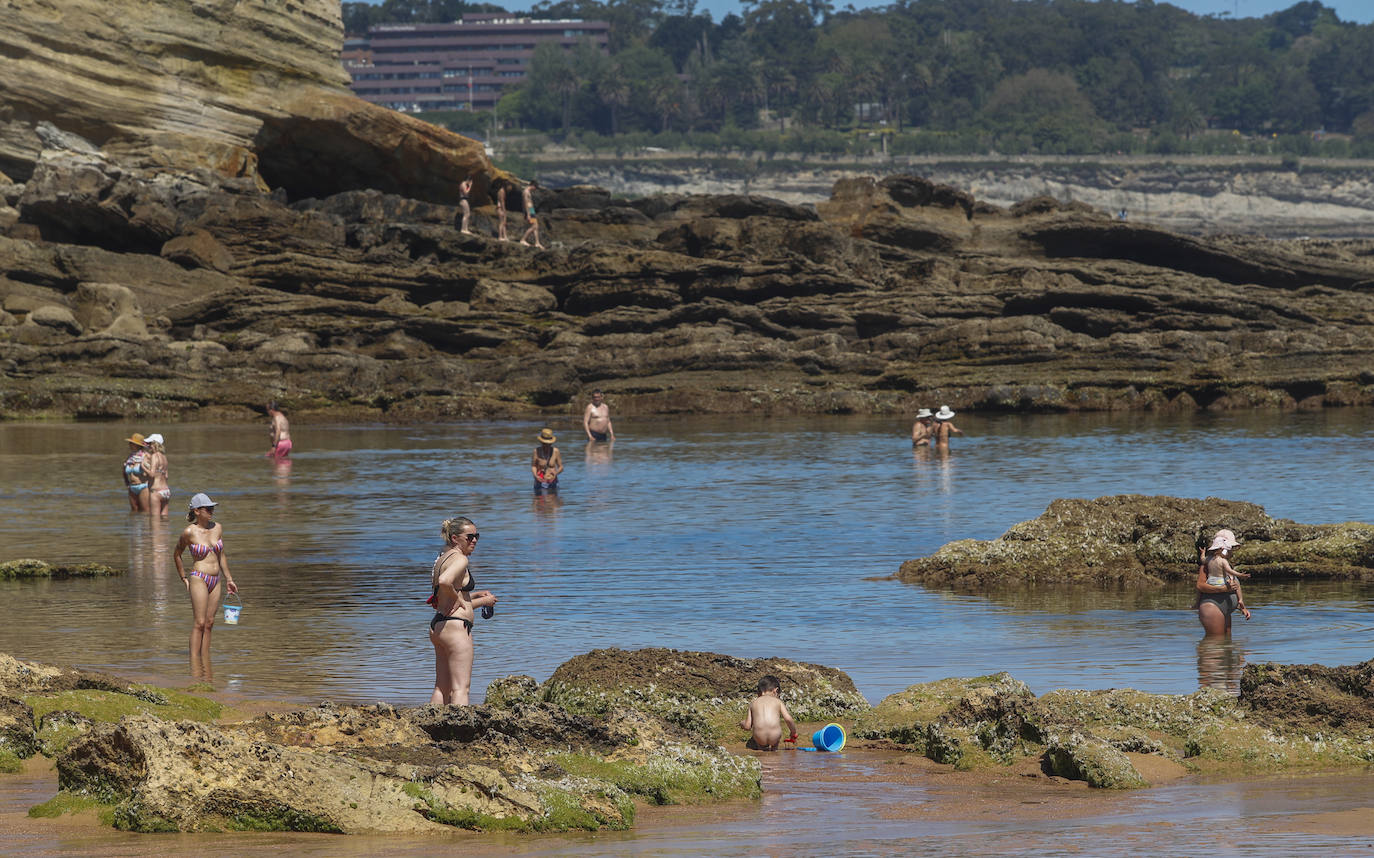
(754, 537)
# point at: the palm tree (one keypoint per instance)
(614, 91)
(564, 83)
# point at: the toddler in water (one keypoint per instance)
(766, 714)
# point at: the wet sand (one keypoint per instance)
(855, 802)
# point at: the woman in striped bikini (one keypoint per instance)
(205, 539)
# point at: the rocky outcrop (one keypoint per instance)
(1143, 541)
(29, 568)
(700, 691)
(895, 292)
(250, 89)
(1109, 739)
(1199, 195)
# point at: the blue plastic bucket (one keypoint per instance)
(231, 612)
(829, 738)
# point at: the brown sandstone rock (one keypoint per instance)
(198, 250)
(97, 305)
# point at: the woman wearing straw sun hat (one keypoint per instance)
(136, 473)
(547, 463)
(205, 540)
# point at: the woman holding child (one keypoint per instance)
(450, 630)
(1218, 586)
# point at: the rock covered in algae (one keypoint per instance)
(29, 568)
(517, 763)
(1144, 540)
(1287, 718)
(701, 691)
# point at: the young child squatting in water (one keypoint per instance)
(766, 714)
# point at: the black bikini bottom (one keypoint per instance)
(440, 618)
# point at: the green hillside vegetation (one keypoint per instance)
(940, 77)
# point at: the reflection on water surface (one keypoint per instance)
(747, 536)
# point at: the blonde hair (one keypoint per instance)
(454, 526)
(154, 447)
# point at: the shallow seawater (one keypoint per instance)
(754, 537)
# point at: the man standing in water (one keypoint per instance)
(596, 420)
(281, 433)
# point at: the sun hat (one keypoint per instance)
(944, 413)
(546, 437)
(924, 412)
(155, 438)
(137, 439)
(1224, 539)
(200, 499)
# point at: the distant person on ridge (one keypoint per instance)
(531, 221)
(501, 211)
(766, 714)
(464, 206)
(596, 419)
(281, 433)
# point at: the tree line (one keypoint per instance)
(1050, 76)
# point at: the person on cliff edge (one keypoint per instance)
(464, 205)
(531, 220)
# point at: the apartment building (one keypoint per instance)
(459, 66)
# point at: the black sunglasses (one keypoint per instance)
(471, 537)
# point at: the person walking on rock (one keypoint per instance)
(501, 212)
(531, 220)
(464, 205)
(453, 599)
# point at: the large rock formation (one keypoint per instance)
(246, 88)
(1142, 540)
(894, 292)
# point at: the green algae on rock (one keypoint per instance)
(29, 568)
(1139, 540)
(1306, 717)
(700, 691)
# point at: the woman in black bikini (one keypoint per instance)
(454, 600)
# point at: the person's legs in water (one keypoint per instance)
(204, 603)
(1215, 621)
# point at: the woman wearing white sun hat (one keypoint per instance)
(923, 429)
(159, 493)
(943, 427)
